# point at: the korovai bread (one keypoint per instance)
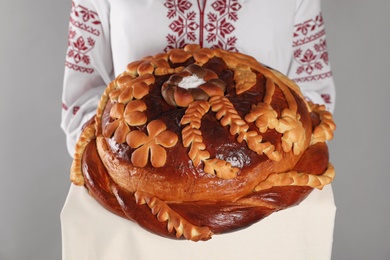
(197, 141)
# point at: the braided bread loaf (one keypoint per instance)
(197, 141)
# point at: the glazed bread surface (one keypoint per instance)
(198, 141)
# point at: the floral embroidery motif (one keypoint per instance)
(220, 25)
(83, 32)
(310, 51)
(306, 28)
(312, 59)
(189, 25)
(79, 48)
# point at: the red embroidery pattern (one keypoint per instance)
(327, 98)
(314, 77)
(310, 50)
(74, 111)
(304, 29)
(64, 106)
(187, 27)
(83, 31)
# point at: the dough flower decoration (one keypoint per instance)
(191, 84)
(127, 88)
(264, 116)
(157, 65)
(293, 132)
(128, 108)
(154, 143)
(125, 116)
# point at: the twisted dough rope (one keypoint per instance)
(76, 175)
(293, 178)
(174, 221)
(195, 233)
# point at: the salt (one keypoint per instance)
(192, 81)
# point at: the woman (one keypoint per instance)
(105, 35)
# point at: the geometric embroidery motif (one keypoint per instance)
(83, 31)
(310, 50)
(192, 24)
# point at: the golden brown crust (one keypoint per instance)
(193, 138)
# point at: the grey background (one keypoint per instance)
(35, 164)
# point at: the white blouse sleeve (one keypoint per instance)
(88, 66)
(310, 66)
